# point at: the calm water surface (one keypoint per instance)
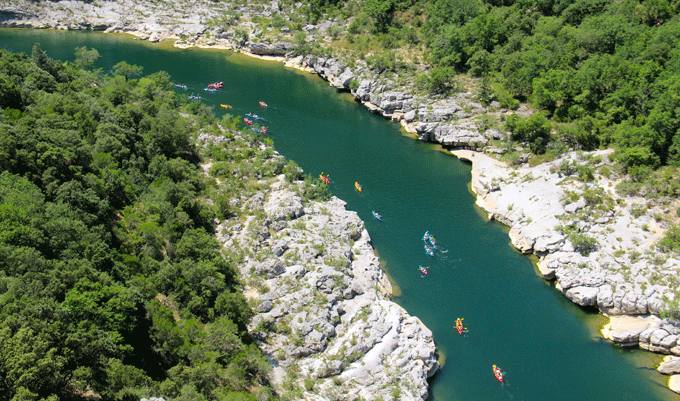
(548, 347)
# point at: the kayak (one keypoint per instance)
(426, 236)
(498, 373)
(248, 121)
(251, 115)
(324, 178)
(459, 325)
(226, 106)
(263, 130)
(357, 186)
(263, 104)
(422, 270)
(428, 250)
(376, 215)
(432, 241)
(180, 86)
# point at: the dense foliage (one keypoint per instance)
(608, 69)
(598, 73)
(606, 73)
(111, 281)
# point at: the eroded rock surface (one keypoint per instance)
(325, 317)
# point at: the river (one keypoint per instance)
(549, 348)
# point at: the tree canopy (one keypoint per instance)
(111, 279)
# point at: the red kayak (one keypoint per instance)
(459, 325)
(498, 373)
(423, 270)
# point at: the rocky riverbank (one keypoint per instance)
(599, 247)
(324, 315)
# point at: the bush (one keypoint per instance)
(583, 243)
(534, 130)
(671, 241)
(292, 171)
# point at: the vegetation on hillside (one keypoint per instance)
(599, 73)
(604, 72)
(111, 280)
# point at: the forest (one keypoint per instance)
(594, 74)
(112, 283)
(600, 72)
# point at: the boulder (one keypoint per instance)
(345, 79)
(549, 243)
(584, 296)
(657, 336)
(264, 307)
(410, 116)
(605, 298)
(669, 342)
(628, 338)
(575, 206)
(267, 49)
(674, 383)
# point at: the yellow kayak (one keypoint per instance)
(357, 186)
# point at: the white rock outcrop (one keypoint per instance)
(606, 261)
(325, 317)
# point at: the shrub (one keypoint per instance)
(583, 243)
(671, 241)
(534, 130)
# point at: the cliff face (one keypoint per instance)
(324, 314)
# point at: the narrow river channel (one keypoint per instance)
(549, 348)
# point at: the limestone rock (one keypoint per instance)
(674, 383)
(584, 296)
(628, 338)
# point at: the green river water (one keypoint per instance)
(550, 349)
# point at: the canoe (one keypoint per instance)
(459, 325)
(498, 373)
(248, 121)
(226, 106)
(180, 86)
(263, 104)
(376, 215)
(426, 236)
(433, 242)
(357, 186)
(251, 115)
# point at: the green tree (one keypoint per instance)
(86, 58)
(535, 130)
(382, 12)
(127, 70)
